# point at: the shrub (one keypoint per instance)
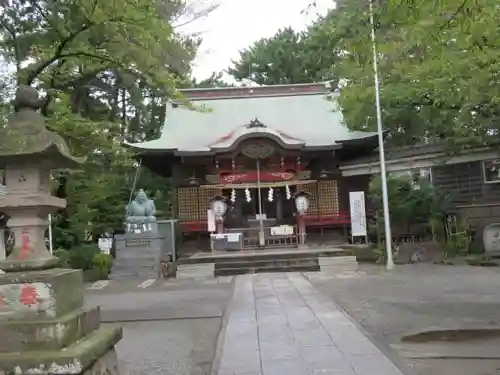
(81, 257)
(102, 265)
(64, 258)
(410, 203)
(94, 264)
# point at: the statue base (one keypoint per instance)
(44, 328)
(138, 255)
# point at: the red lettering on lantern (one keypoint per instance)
(29, 295)
(25, 244)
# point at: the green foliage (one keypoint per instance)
(408, 204)
(82, 257)
(88, 258)
(287, 57)
(458, 243)
(215, 80)
(438, 62)
(92, 36)
(102, 265)
(108, 69)
(64, 258)
(438, 66)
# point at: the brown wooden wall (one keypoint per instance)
(464, 183)
(352, 183)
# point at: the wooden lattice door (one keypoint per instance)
(328, 197)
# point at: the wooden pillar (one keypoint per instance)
(174, 202)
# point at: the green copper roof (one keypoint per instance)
(296, 116)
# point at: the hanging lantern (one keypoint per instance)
(247, 195)
(288, 192)
(270, 195)
(219, 208)
(233, 195)
(301, 203)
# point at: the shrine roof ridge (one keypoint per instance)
(256, 91)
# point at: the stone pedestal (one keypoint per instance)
(44, 328)
(138, 255)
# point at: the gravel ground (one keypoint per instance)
(175, 347)
(169, 328)
(415, 297)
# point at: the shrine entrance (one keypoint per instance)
(259, 191)
(263, 216)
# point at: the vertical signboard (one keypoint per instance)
(358, 214)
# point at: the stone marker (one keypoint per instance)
(44, 328)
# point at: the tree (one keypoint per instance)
(438, 67)
(107, 69)
(215, 80)
(438, 64)
(287, 57)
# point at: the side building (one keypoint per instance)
(471, 179)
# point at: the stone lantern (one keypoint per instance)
(44, 328)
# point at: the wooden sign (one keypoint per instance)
(237, 178)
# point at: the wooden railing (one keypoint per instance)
(310, 219)
(337, 218)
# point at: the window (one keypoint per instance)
(491, 171)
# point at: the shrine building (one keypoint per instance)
(257, 149)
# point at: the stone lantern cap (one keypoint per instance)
(26, 137)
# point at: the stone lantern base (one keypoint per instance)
(44, 328)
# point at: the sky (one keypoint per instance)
(237, 24)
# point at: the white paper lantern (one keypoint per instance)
(301, 203)
(270, 195)
(219, 208)
(233, 195)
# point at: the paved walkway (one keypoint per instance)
(278, 324)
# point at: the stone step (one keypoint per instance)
(265, 255)
(195, 271)
(267, 263)
(141, 257)
(265, 269)
(133, 275)
(118, 265)
(341, 263)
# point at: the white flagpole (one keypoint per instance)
(51, 249)
(385, 195)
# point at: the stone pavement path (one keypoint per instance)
(278, 324)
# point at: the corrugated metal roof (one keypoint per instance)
(300, 120)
